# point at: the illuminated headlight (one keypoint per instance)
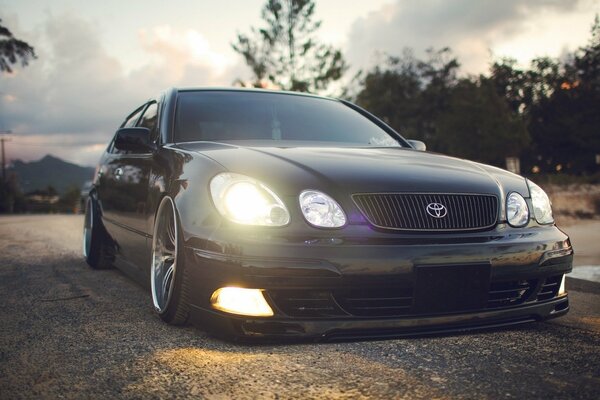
(246, 201)
(542, 207)
(321, 210)
(517, 212)
(241, 301)
(562, 289)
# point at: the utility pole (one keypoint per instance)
(2, 140)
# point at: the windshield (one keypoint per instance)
(235, 115)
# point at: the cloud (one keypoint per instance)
(471, 28)
(72, 98)
(178, 49)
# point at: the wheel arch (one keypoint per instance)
(189, 190)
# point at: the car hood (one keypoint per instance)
(289, 170)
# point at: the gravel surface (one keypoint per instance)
(67, 331)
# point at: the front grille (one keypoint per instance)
(376, 302)
(306, 303)
(506, 294)
(408, 211)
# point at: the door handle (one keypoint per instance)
(118, 173)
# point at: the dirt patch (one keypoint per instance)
(573, 203)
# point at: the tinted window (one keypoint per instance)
(132, 119)
(150, 118)
(129, 122)
(222, 116)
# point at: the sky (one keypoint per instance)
(97, 61)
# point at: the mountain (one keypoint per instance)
(50, 171)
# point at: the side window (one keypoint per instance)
(132, 119)
(129, 122)
(150, 119)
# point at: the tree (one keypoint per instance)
(409, 93)
(525, 88)
(424, 99)
(564, 123)
(438, 73)
(286, 52)
(392, 92)
(478, 124)
(13, 50)
(11, 197)
(559, 103)
(510, 82)
(587, 62)
(547, 113)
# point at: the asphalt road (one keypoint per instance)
(67, 331)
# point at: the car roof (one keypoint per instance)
(244, 89)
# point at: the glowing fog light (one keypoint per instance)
(241, 301)
(562, 289)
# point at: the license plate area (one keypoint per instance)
(451, 288)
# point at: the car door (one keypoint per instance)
(126, 185)
(107, 181)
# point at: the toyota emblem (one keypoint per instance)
(437, 210)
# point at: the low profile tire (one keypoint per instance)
(168, 278)
(95, 249)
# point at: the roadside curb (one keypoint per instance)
(582, 285)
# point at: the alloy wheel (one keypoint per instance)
(88, 226)
(164, 255)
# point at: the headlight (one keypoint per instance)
(246, 201)
(542, 207)
(321, 210)
(517, 211)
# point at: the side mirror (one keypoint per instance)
(417, 145)
(136, 140)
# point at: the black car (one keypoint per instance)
(273, 214)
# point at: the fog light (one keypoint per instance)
(241, 301)
(562, 290)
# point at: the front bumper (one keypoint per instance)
(521, 285)
(336, 329)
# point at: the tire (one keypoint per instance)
(95, 248)
(168, 277)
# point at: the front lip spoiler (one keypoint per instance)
(356, 328)
(350, 335)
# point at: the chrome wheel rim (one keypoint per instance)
(87, 227)
(164, 255)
